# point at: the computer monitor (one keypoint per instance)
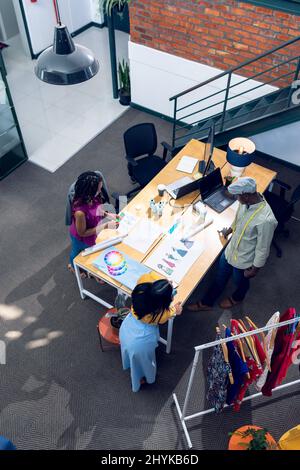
(206, 165)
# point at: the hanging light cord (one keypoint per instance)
(57, 15)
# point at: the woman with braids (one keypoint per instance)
(87, 213)
(139, 332)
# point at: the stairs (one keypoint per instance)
(268, 111)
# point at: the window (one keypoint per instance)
(289, 6)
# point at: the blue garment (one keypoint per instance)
(239, 369)
(77, 247)
(138, 343)
(5, 444)
(224, 272)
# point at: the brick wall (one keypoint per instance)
(220, 33)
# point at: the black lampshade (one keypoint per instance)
(65, 63)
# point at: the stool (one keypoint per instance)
(107, 331)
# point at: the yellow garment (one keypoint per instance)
(168, 313)
(290, 440)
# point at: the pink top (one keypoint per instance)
(93, 216)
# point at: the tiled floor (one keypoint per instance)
(57, 121)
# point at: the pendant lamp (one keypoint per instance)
(65, 63)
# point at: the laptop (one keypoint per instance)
(214, 193)
(182, 187)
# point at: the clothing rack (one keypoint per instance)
(182, 414)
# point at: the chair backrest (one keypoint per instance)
(70, 196)
(140, 140)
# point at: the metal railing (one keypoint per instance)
(182, 122)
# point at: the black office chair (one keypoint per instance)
(282, 209)
(141, 140)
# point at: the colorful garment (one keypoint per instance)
(270, 348)
(282, 354)
(255, 372)
(217, 377)
(239, 369)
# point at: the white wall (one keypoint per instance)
(282, 142)
(156, 76)
(21, 25)
(41, 20)
(97, 12)
(8, 20)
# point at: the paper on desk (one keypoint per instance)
(143, 235)
(235, 206)
(187, 164)
(173, 257)
(127, 222)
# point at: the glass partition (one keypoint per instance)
(12, 149)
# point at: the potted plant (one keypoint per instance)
(251, 438)
(124, 82)
(109, 5)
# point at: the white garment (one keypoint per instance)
(270, 348)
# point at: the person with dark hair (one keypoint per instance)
(139, 333)
(87, 213)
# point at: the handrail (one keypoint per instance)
(241, 82)
(237, 96)
(233, 69)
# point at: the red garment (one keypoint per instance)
(282, 354)
(259, 348)
(255, 372)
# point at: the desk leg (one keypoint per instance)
(168, 342)
(169, 335)
(79, 281)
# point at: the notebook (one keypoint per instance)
(187, 164)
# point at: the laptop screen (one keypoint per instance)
(210, 183)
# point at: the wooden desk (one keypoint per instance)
(213, 244)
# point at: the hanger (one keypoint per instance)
(245, 341)
(225, 354)
(264, 345)
(250, 342)
(241, 350)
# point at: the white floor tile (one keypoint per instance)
(31, 109)
(35, 137)
(54, 153)
(76, 103)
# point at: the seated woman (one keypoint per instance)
(139, 332)
(87, 213)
